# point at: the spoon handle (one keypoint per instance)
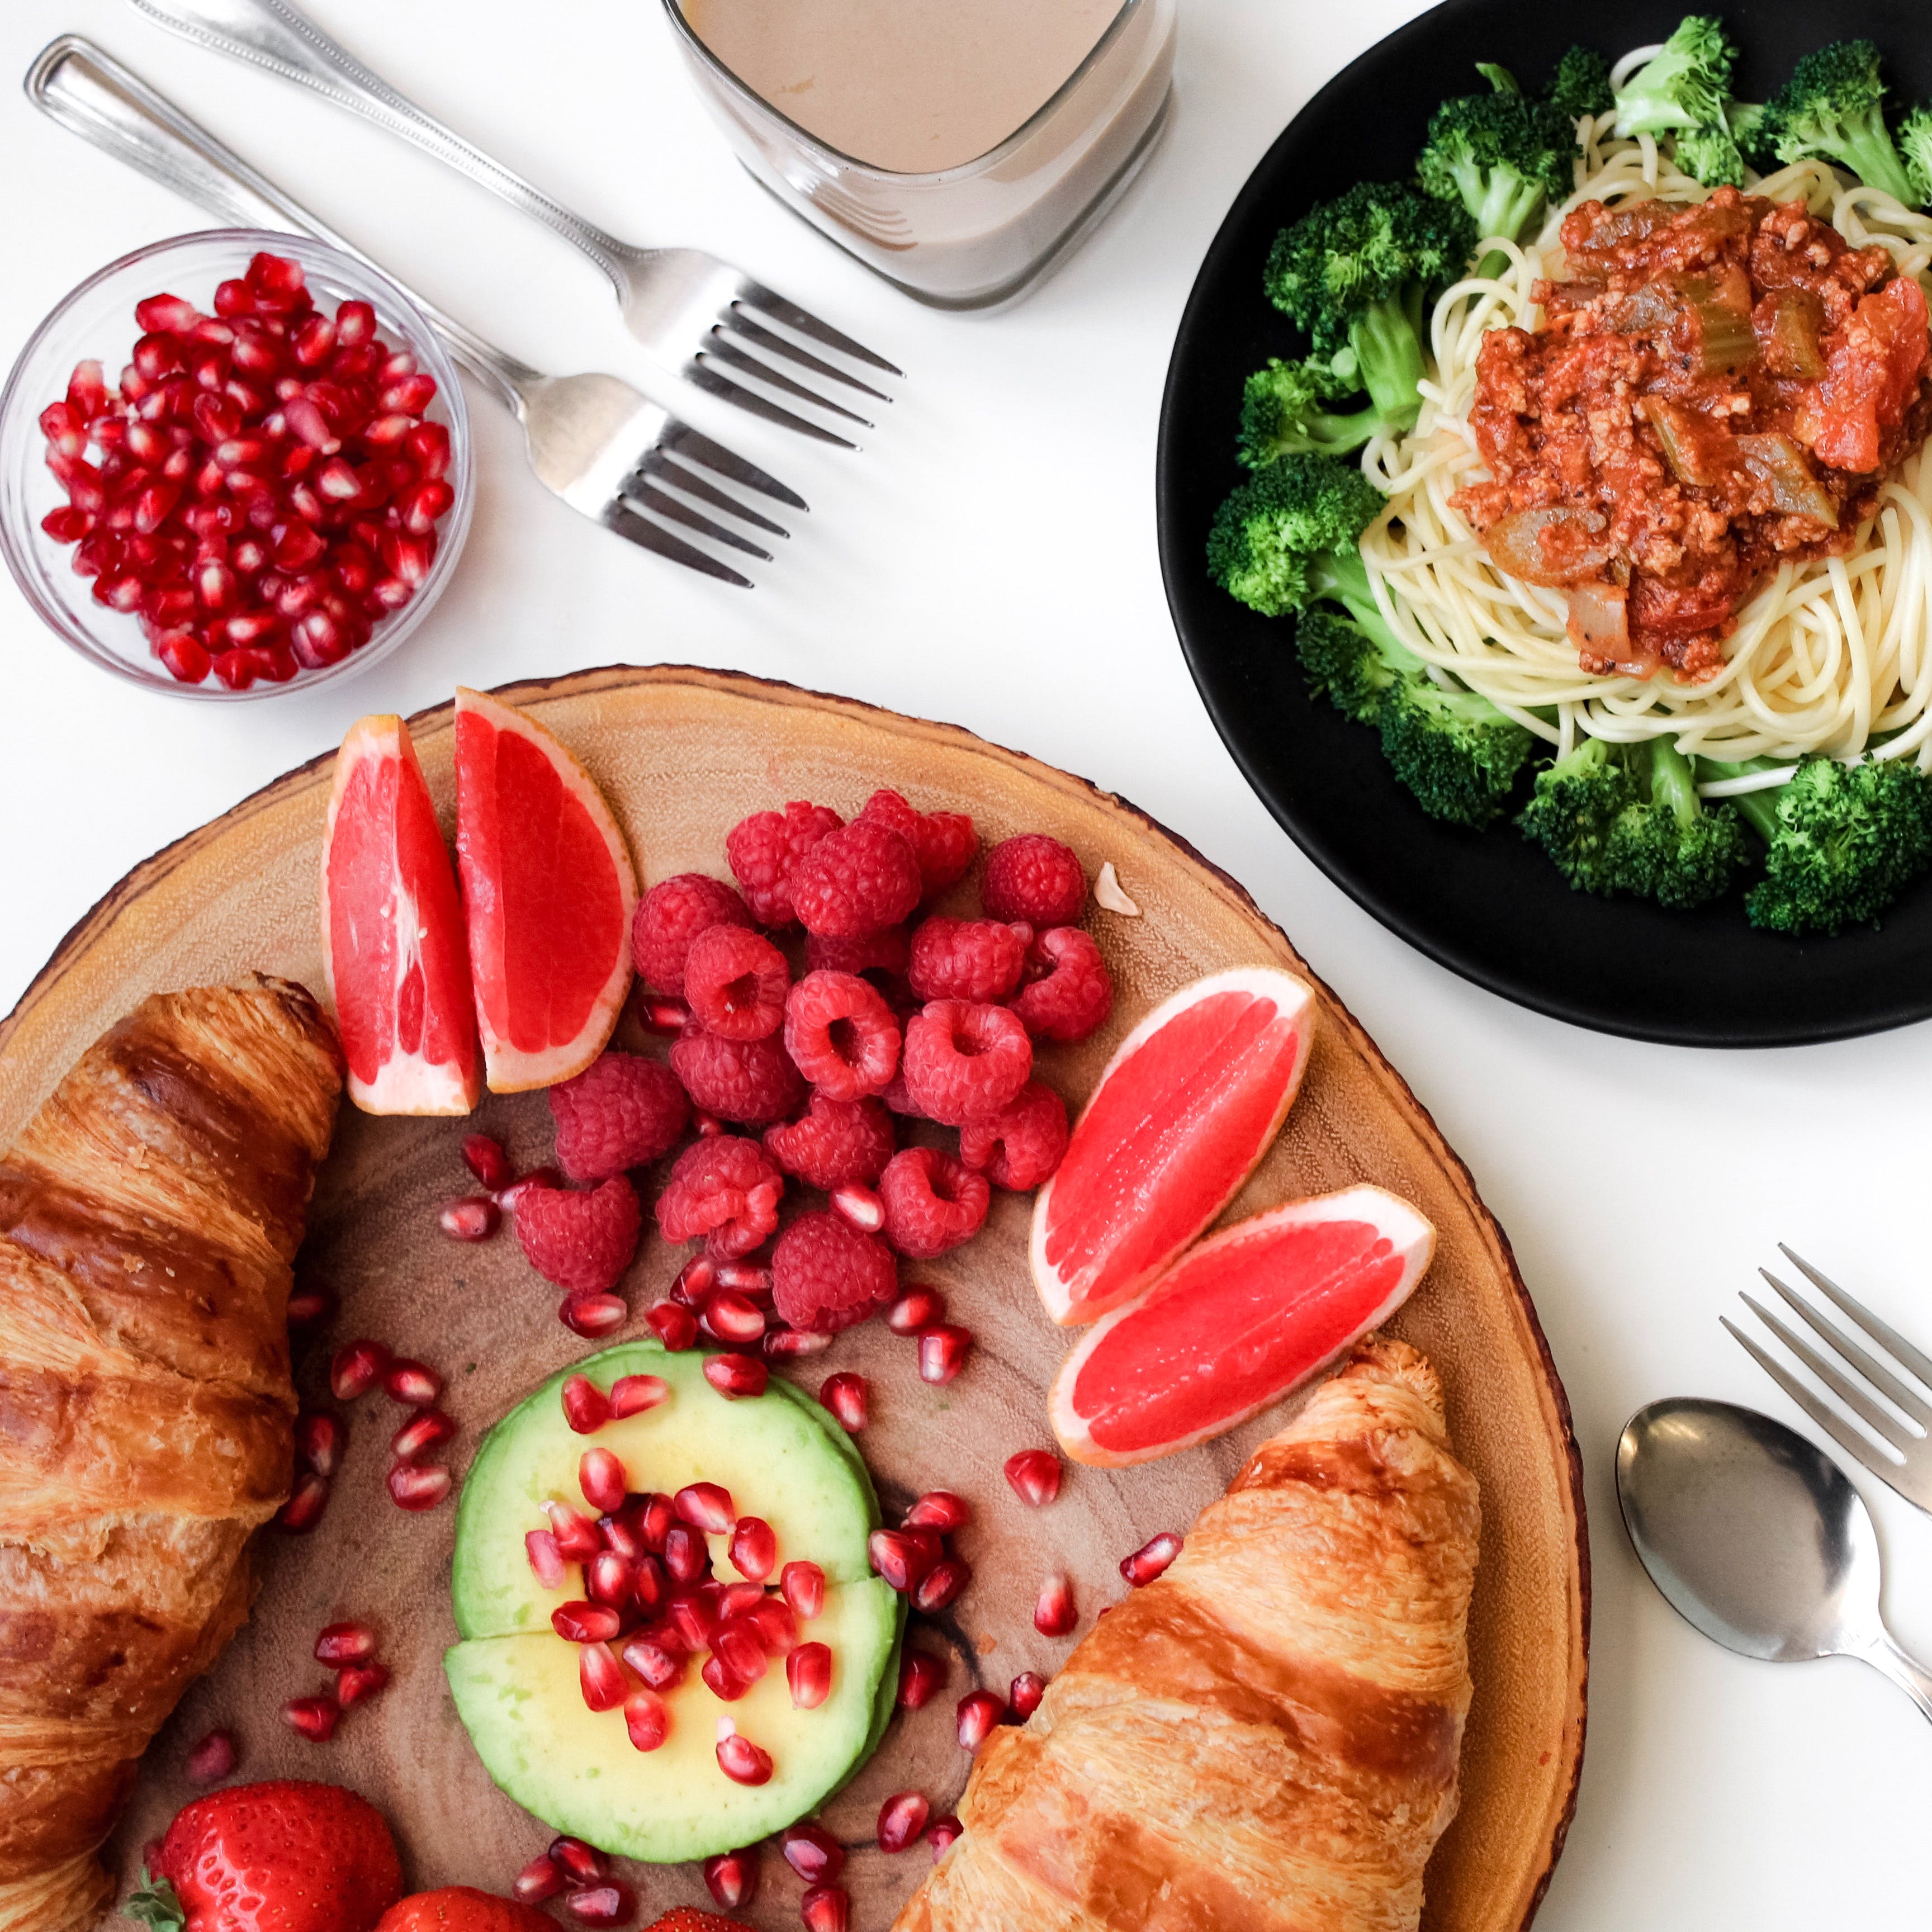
(1907, 1672)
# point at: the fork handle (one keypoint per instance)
(272, 34)
(90, 94)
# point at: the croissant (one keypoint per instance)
(149, 1215)
(1265, 1739)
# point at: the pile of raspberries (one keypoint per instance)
(893, 1018)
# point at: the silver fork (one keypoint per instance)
(599, 444)
(690, 310)
(1902, 1456)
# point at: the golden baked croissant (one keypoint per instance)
(148, 1217)
(1265, 1739)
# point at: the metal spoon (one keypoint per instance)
(1756, 1538)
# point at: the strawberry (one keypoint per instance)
(462, 1908)
(688, 1919)
(279, 1857)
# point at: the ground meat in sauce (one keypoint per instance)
(1715, 388)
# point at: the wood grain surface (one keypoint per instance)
(681, 754)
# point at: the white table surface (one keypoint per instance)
(989, 559)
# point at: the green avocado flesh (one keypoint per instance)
(515, 1680)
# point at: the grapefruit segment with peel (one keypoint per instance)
(1238, 1323)
(392, 937)
(1183, 1113)
(548, 892)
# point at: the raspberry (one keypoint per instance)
(751, 1081)
(763, 849)
(621, 1111)
(583, 1242)
(1020, 1145)
(840, 1035)
(963, 1061)
(967, 958)
(895, 1098)
(825, 1275)
(669, 916)
(1075, 991)
(944, 842)
(857, 880)
(933, 1202)
(835, 1142)
(735, 982)
(884, 953)
(726, 1190)
(1035, 878)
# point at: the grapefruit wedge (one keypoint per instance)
(547, 894)
(1238, 1322)
(1183, 1111)
(392, 942)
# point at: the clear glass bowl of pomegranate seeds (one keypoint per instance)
(262, 481)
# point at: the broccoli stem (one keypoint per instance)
(1343, 576)
(1388, 358)
(1758, 809)
(1673, 780)
(1868, 152)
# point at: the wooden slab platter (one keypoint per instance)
(681, 754)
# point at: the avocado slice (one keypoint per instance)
(515, 1682)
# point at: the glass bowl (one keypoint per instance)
(98, 319)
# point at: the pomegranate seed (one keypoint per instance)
(413, 1382)
(166, 314)
(607, 1580)
(724, 1685)
(941, 1585)
(778, 1627)
(1151, 1558)
(742, 1761)
(685, 1556)
(705, 1506)
(729, 1316)
(586, 1407)
(901, 1818)
(655, 1519)
(943, 1352)
(647, 1582)
(423, 507)
(314, 1717)
(942, 1833)
(754, 1548)
(345, 1643)
(485, 1159)
(601, 1905)
(584, 1863)
(646, 1720)
(307, 1501)
(979, 1711)
(674, 1325)
(695, 1281)
(1023, 1700)
(619, 1534)
(320, 1439)
(849, 1399)
(581, 1622)
(732, 1878)
(803, 1585)
(213, 1758)
(921, 1677)
(940, 1510)
(355, 325)
(540, 1879)
(860, 1206)
(901, 1558)
(576, 1534)
(747, 1278)
(416, 1487)
(825, 1908)
(738, 1599)
(737, 1377)
(356, 1369)
(428, 1429)
(668, 1017)
(473, 1219)
(1034, 1475)
(632, 1395)
(785, 1345)
(601, 1477)
(546, 1560)
(808, 1671)
(812, 1852)
(600, 1677)
(738, 1644)
(1054, 1614)
(661, 1669)
(507, 1198)
(593, 1316)
(357, 1682)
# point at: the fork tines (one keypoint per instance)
(1856, 1375)
(672, 464)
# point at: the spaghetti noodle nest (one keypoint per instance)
(1833, 654)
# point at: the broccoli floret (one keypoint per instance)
(1627, 818)
(1581, 84)
(1842, 842)
(1503, 156)
(1683, 86)
(1356, 272)
(1711, 155)
(1833, 109)
(1458, 754)
(1282, 413)
(1915, 146)
(1289, 534)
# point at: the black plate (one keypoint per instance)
(1487, 904)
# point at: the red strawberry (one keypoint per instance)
(583, 1240)
(462, 1908)
(279, 1857)
(688, 1919)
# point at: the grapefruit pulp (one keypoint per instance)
(1241, 1320)
(548, 892)
(1182, 1114)
(392, 940)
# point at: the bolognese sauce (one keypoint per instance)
(1715, 388)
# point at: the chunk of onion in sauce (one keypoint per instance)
(1599, 621)
(1552, 547)
(1780, 460)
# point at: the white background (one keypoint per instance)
(989, 559)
